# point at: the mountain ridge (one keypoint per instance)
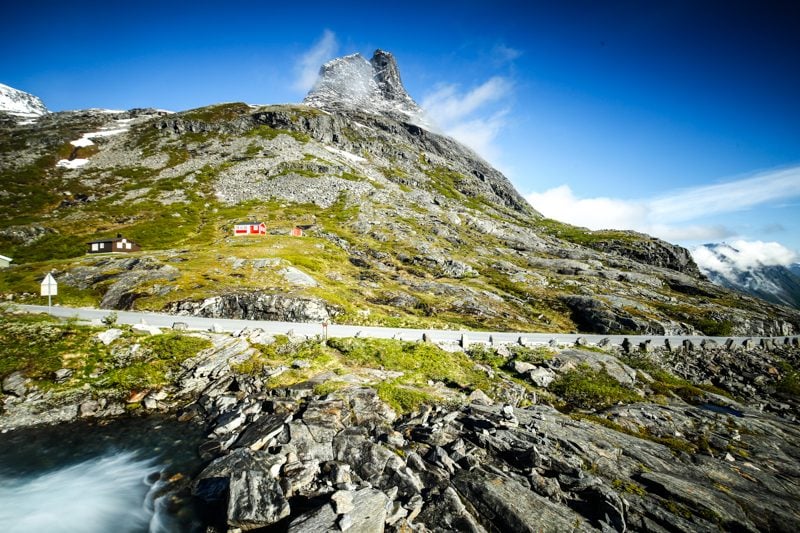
(406, 227)
(20, 104)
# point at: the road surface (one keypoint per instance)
(341, 330)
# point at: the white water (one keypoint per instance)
(101, 495)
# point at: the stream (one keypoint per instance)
(100, 476)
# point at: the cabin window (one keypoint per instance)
(127, 246)
(94, 247)
(119, 245)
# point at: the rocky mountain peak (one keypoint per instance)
(353, 83)
(387, 76)
(20, 103)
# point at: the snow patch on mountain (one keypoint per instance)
(121, 125)
(21, 104)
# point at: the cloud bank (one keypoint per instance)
(307, 67)
(740, 255)
(670, 216)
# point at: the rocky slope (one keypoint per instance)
(353, 434)
(404, 227)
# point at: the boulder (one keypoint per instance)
(368, 515)
(255, 500)
(297, 277)
(16, 384)
(542, 377)
(479, 397)
(110, 335)
(62, 375)
(509, 506)
(256, 306)
(570, 359)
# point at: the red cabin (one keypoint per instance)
(249, 228)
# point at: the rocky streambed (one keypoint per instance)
(694, 440)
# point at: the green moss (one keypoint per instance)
(49, 247)
(445, 182)
(587, 388)
(38, 347)
(282, 353)
(330, 386)
(666, 384)
(629, 487)
(583, 236)
(174, 347)
(402, 398)
(537, 355)
(675, 444)
(269, 133)
(711, 327)
(420, 362)
(352, 177)
(216, 113)
(486, 355)
(790, 379)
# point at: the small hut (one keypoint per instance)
(118, 245)
(241, 229)
(300, 230)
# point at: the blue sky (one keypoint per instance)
(678, 118)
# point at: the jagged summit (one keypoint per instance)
(353, 83)
(20, 103)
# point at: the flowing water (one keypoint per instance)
(107, 477)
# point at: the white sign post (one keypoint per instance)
(49, 289)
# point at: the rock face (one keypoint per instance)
(652, 251)
(126, 276)
(374, 86)
(257, 306)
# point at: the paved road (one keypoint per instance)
(340, 330)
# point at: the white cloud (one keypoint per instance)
(669, 216)
(738, 255)
(594, 213)
(708, 261)
(307, 67)
(479, 134)
(502, 54)
(727, 197)
(470, 117)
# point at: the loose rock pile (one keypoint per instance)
(297, 461)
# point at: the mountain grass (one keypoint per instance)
(38, 345)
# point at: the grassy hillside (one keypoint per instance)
(405, 230)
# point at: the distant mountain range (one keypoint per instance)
(774, 283)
